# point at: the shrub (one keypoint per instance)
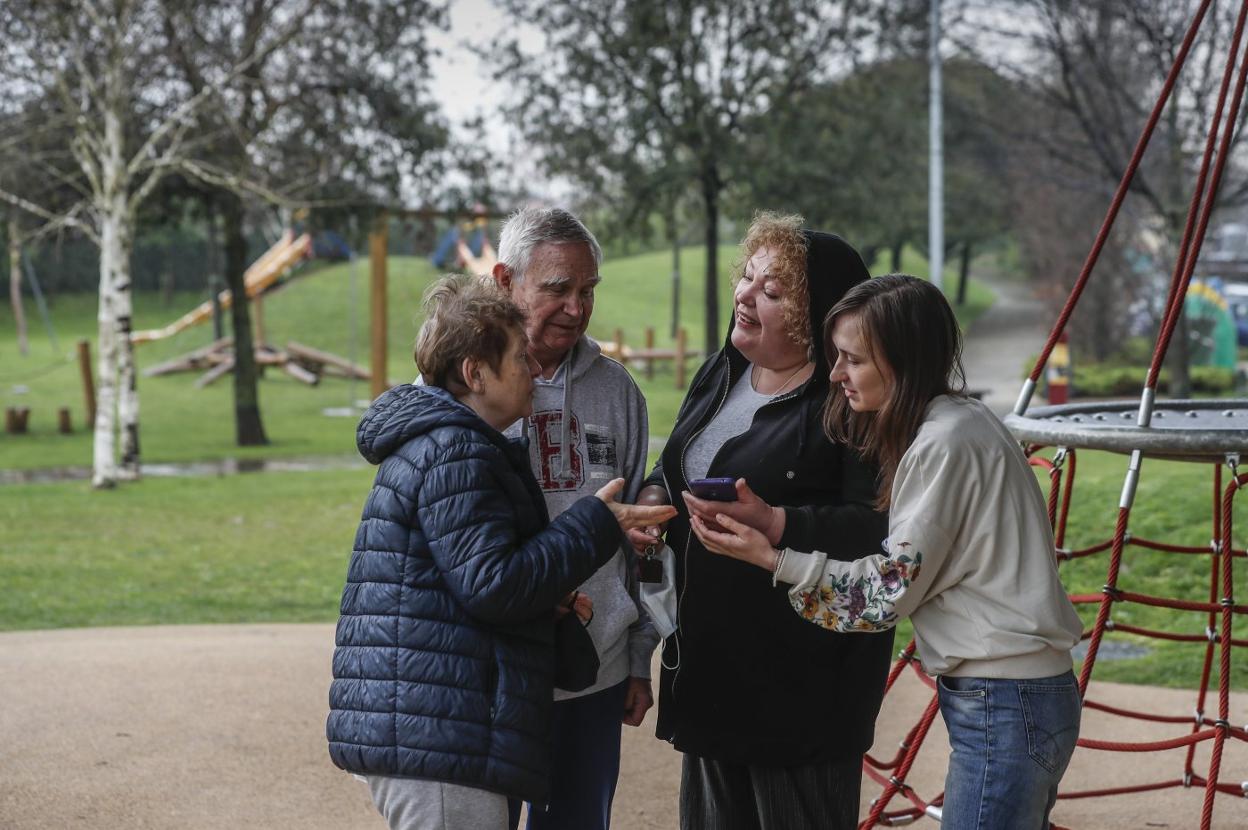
(1104, 381)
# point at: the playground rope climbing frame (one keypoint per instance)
(1213, 433)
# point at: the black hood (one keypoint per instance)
(832, 268)
(406, 411)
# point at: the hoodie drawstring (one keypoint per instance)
(565, 419)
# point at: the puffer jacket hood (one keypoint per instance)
(408, 411)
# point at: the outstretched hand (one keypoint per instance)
(642, 538)
(735, 539)
(748, 509)
(633, 515)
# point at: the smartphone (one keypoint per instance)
(714, 489)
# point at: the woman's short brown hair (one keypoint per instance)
(782, 233)
(465, 317)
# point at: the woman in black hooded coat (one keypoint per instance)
(773, 714)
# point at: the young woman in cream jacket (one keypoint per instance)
(969, 556)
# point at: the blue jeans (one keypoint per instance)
(585, 763)
(1011, 741)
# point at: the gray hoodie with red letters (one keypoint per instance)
(589, 425)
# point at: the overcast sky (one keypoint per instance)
(459, 75)
(462, 86)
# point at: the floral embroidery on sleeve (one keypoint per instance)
(864, 602)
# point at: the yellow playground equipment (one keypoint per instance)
(303, 363)
(263, 273)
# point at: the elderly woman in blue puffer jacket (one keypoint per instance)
(444, 665)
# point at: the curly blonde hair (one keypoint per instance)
(782, 233)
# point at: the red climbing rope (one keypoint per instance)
(1189, 249)
(1220, 611)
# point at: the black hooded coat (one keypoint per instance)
(750, 681)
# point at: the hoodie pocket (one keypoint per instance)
(614, 608)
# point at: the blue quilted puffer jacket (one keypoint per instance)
(444, 666)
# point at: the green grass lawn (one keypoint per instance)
(244, 548)
(274, 547)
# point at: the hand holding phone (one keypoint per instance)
(708, 497)
(714, 489)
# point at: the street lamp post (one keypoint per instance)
(936, 165)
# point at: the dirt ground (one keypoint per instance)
(223, 727)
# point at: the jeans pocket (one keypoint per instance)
(965, 711)
(965, 687)
(1051, 713)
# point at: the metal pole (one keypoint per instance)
(936, 172)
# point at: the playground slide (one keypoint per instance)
(265, 271)
(480, 265)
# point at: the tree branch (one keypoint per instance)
(61, 220)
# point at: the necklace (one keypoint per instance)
(783, 386)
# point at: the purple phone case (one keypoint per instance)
(714, 489)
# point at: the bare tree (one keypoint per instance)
(1098, 67)
(339, 112)
(643, 93)
(101, 63)
(32, 148)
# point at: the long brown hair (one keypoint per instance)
(913, 337)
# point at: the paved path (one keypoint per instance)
(223, 727)
(1002, 343)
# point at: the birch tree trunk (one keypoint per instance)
(117, 409)
(104, 467)
(128, 391)
(117, 399)
(15, 285)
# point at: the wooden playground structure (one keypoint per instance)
(303, 363)
(308, 364)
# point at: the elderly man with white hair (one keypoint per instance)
(589, 425)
